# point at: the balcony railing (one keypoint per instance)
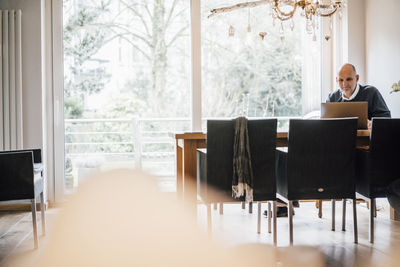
(129, 143)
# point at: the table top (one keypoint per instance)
(189, 135)
(279, 134)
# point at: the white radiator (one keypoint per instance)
(10, 80)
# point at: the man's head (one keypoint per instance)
(347, 79)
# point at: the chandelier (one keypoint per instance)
(284, 10)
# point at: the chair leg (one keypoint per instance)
(368, 207)
(243, 205)
(250, 207)
(221, 208)
(290, 212)
(371, 219)
(269, 217)
(355, 220)
(320, 208)
(344, 215)
(274, 220)
(259, 218)
(209, 219)
(215, 206)
(333, 213)
(42, 210)
(35, 236)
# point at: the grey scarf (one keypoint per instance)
(242, 181)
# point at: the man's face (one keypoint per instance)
(347, 80)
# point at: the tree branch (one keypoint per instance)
(148, 12)
(171, 11)
(132, 33)
(137, 14)
(134, 45)
(177, 15)
(177, 35)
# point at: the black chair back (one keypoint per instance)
(382, 165)
(219, 162)
(16, 175)
(220, 134)
(320, 160)
(262, 137)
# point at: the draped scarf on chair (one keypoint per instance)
(242, 181)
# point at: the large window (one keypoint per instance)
(126, 85)
(127, 78)
(245, 75)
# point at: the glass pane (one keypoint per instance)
(247, 75)
(126, 85)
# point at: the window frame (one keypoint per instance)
(333, 54)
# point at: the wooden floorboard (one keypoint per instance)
(15, 227)
(7, 219)
(237, 226)
(16, 243)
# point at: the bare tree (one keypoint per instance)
(149, 27)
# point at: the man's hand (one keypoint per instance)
(369, 125)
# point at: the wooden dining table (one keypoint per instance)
(186, 162)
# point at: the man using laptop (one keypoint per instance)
(351, 90)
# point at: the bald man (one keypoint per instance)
(351, 90)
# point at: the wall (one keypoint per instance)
(355, 39)
(31, 68)
(382, 26)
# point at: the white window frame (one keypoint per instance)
(334, 52)
(53, 125)
(195, 81)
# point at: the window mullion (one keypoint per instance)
(195, 30)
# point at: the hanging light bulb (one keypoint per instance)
(303, 13)
(262, 35)
(309, 27)
(249, 37)
(248, 21)
(328, 35)
(291, 25)
(231, 31)
(314, 26)
(282, 33)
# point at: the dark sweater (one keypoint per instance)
(376, 104)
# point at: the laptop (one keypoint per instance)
(346, 109)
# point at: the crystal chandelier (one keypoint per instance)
(284, 10)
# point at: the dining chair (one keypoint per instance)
(21, 179)
(378, 166)
(215, 165)
(318, 164)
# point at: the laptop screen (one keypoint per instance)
(346, 109)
